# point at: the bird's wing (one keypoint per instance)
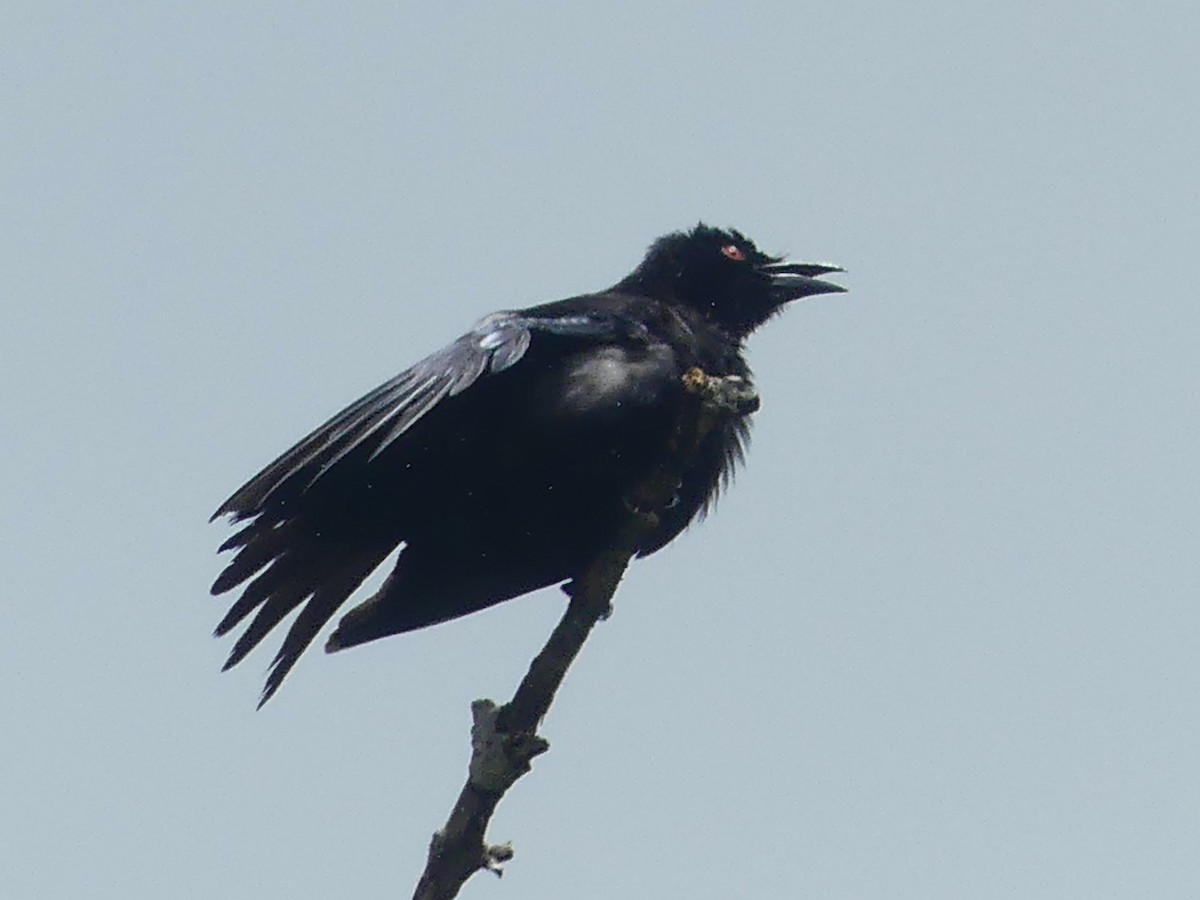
(297, 552)
(372, 423)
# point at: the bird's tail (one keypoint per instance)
(425, 589)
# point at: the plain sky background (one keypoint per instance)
(940, 641)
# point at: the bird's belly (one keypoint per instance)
(556, 494)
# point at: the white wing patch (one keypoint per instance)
(613, 375)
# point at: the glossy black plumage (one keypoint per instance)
(502, 461)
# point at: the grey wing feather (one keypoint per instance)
(509, 352)
(496, 343)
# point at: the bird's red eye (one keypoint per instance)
(734, 252)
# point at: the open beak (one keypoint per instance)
(796, 280)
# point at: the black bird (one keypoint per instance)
(503, 461)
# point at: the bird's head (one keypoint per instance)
(726, 277)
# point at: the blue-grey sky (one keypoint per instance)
(940, 641)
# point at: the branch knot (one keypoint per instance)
(499, 758)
